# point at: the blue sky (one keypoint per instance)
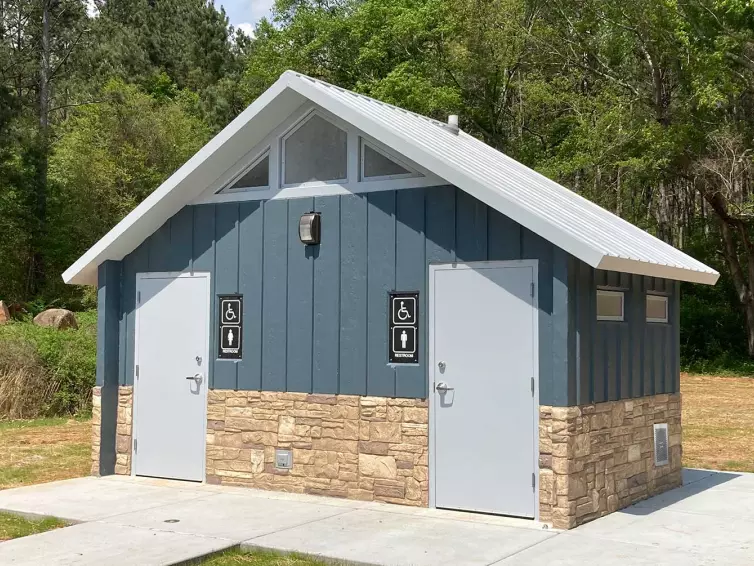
(245, 14)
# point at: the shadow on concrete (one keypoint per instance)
(694, 481)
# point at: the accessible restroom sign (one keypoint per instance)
(404, 328)
(230, 336)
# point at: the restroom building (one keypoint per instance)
(339, 297)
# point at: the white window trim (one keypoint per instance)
(292, 130)
(410, 172)
(227, 188)
(276, 191)
(667, 308)
(622, 296)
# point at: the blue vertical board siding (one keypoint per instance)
(440, 213)
(225, 372)
(410, 275)
(628, 359)
(109, 276)
(380, 281)
(275, 296)
(300, 301)
(159, 248)
(353, 295)
(250, 266)
(503, 237)
(316, 317)
(135, 262)
(326, 301)
(558, 379)
(471, 228)
(180, 256)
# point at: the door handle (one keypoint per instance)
(197, 377)
(442, 387)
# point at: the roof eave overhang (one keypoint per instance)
(626, 265)
(181, 187)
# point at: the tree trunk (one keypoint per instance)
(38, 272)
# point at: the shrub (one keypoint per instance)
(64, 360)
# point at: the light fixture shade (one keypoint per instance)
(309, 228)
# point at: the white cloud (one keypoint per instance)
(247, 28)
(244, 14)
(91, 8)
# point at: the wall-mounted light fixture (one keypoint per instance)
(309, 228)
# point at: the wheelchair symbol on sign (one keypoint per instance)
(403, 313)
(230, 314)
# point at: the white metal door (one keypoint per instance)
(171, 357)
(483, 371)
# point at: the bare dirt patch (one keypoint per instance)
(718, 422)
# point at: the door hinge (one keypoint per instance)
(136, 444)
(138, 297)
(531, 289)
(533, 481)
(137, 371)
(532, 387)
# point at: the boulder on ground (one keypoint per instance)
(61, 319)
(4, 313)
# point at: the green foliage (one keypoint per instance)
(109, 157)
(65, 357)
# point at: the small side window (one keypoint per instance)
(610, 305)
(657, 308)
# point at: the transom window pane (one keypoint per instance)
(257, 176)
(657, 308)
(316, 151)
(377, 165)
(609, 305)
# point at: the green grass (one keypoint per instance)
(14, 526)
(34, 423)
(43, 450)
(260, 558)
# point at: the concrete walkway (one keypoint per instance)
(140, 521)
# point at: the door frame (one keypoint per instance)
(140, 276)
(441, 266)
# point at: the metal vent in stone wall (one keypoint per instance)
(662, 453)
(283, 459)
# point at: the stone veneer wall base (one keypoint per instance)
(596, 459)
(369, 448)
(122, 430)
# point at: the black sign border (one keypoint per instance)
(417, 313)
(220, 354)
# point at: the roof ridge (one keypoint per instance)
(297, 74)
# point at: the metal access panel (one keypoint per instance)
(483, 361)
(170, 393)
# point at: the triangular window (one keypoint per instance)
(316, 151)
(377, 165)
(256, 177)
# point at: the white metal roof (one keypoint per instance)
(573, 223)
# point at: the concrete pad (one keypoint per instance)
(724, 503)
(572, 549)
(709, 536)
(375, 537)
(95, 544)
(229, 516)
(88, 499)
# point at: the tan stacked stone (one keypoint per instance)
(96, 428)
(370, 448)
(123, 431)
(596, 459)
